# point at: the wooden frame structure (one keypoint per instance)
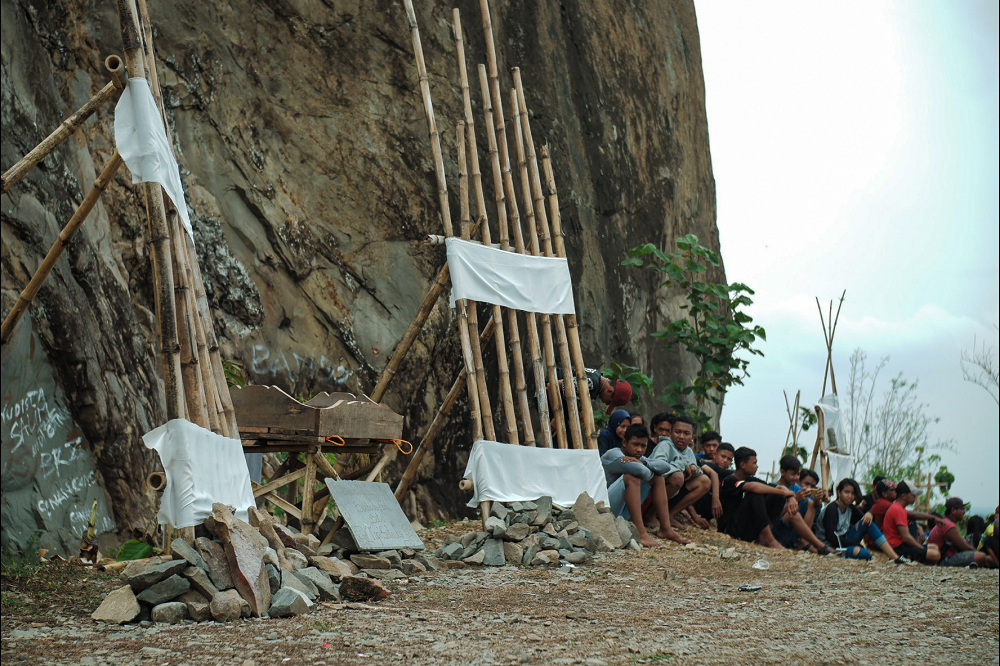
(820, 453)
(526, 221)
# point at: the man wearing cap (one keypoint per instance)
(955, 552)
(614, 393)
(896, 528)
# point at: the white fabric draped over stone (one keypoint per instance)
(202, 468)
(511, 473)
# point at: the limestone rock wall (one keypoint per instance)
(304, 150)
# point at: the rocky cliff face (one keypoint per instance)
(303, 146)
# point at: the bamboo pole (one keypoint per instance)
(529, 216)
(486, 409)
(465, 306)
(571, 330)
(432, 131)
(537, 203)
(506, 201)
(506, 395)
(65, 236)
(166, 314)
(213, 373)
(437, 424)
(67, 127)
(194, 396)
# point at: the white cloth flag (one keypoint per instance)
(202, 468)
(835, 440)
(142, 143)
(511, 473)
(515, 281)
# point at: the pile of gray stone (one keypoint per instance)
(541, 533)
(262, 569)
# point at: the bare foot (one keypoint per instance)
(649, 542)
(652, 527)
(676, 524)
(668, 533)
(701, 522)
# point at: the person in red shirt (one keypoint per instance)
(886, 490)
(955, 552)
(896, 528)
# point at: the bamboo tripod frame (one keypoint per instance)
(194, 378)
(519, 184)
(819, 454)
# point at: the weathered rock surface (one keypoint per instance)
(165, 590)
(215, 558)
(307, 194)
(118, 607)
(601, 525)
(171, 612)
(288, 602)
(153, 575)
(334, 566)
(357, 588)
(246, 562)
(186, 551)
(226, 606)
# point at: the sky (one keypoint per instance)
(855, 147)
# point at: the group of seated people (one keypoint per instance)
(658, 480)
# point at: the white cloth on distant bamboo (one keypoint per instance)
(516, 281)
(512, 473)
(143, 144)
(202, 468)
(835, 440)
(841, 467)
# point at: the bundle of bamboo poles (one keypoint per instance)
(553, 341)
(193, 373)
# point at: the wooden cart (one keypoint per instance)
(272, 421)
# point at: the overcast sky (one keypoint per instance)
(855, 147)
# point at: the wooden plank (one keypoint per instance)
(253, 429)
(358, 419)
(282, 503)
(277, 436)
(303, 448)
(308, 489)
(265, 488)
(326, 399)
(269, 406)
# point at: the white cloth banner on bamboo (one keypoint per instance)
(835, 440)
(841, 467)
(143, 145)
(511, 473)
(202, 468)
(516, 281)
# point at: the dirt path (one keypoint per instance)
(672, 606)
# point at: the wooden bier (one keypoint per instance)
(271, 420)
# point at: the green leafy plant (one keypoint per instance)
(236, 373)
(133, 549)
(717, 331)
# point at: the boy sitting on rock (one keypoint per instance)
(687, 483)
(631, 476)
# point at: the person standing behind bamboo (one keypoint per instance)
(613, 393)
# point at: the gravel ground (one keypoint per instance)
(677, 605)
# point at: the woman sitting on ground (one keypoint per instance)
(614, 435)
(842, 526)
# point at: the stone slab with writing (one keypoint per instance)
(373, 516)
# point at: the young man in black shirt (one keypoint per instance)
(749, 505)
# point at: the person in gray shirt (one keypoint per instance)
(632, 477)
